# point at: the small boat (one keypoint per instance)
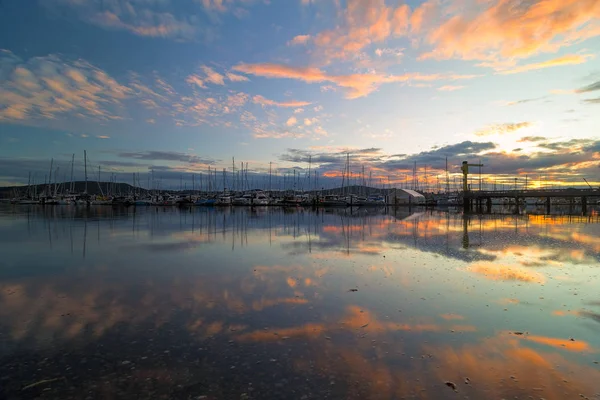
(260, 199)
(333, 201)
(292, 200)
(245, 200)
(223, 201)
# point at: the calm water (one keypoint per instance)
(278, 304)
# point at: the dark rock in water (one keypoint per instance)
(451, 385)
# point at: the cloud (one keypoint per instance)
(564, 60)
(195, 80)
(523, 101)
(298, 40)
(589, 88)
(212, 76)
(167, 156)
(592, 101)
(450, 88)
(139, 17)
(532, 139)
(50, 86)
(500, 129)
(258, 99)
(422, 15)
(103, 137)
(236, 78)
(298, 110)
(291, 121)
(357, 85)
(508, 30)
(363, 22)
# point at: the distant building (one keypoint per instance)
(405, 197)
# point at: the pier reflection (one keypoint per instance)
(274, 303)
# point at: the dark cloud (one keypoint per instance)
(514, 103)
(531, 139)
(589, 88)
(168, 156)
(573, 144)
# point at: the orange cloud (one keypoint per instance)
(576, 346)
(504, 31)
(506, 272)
(565, 60)
(213, 76)
(299, 39)
(45, 87)
(258, 99)
(499, 129)
(357, 85)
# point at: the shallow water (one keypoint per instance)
(271, 304)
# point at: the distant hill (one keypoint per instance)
(93, 188)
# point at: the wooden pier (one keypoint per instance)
(480, 199)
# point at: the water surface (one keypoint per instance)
(272, 303)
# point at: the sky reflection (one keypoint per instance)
(348, 304)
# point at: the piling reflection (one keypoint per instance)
(272, 303)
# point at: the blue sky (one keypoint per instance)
(178, 86)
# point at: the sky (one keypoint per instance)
(180, 86)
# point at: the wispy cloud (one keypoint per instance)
(450, 88)
(140, 17)
(560, 61)
(363, 22)
(298, 40)
(500, 129)
(258, 99)
(213, 76)
(589, 88)
(504, 30)
(46, 87)
(523, 101)
(357, 85)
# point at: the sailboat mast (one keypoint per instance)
(85, 170)
(49, 177)
(71, 189)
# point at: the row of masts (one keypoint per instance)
(240, 179)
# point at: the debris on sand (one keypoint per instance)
(42, 382)
(451, 385)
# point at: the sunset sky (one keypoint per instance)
(176, 86)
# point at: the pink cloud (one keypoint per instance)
(364, 22)
(258, 99)
(499, 31)
(357, 85)
(46, 87)
(298, 40)
(235, 77)
(449, 88)
(213, 76)
(291, 121)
